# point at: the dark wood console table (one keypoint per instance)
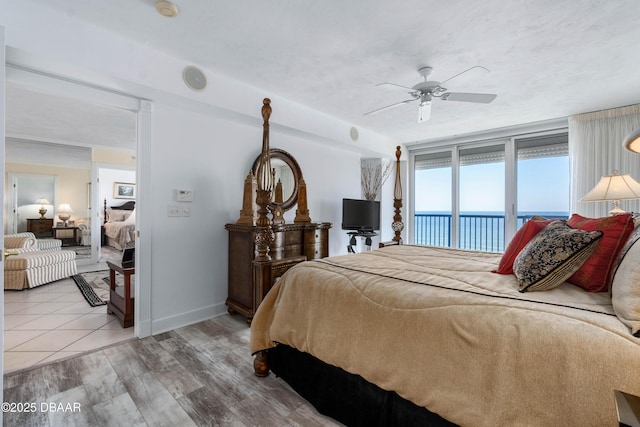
(249, 282)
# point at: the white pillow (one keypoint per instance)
(115, 215)
(131, 219)
(625, 289)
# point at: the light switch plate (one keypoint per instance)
(174, 210)
(186, 210)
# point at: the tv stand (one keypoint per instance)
(366, 234)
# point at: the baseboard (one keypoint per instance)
(169, 323)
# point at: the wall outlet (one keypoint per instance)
(174, 210)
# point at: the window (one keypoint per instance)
(543, 177)
(433, 199)
(475, 195)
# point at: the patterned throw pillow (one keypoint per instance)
(553, 255)
(596, 273)
(519, 241)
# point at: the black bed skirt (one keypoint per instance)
(345, 397)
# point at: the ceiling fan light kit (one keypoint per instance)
(426, 90)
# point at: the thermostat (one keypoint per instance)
(185, 196)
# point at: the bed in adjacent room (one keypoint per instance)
(119, 224)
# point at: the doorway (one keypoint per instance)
(31, 199)
(79, 115)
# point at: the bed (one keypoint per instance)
(439, 329)
(119, 224)
(418, 335)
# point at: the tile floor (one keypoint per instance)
(53, 321)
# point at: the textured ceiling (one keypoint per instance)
(547, 58)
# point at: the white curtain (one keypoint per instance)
(595, 150)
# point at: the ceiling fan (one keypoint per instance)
(428, 89)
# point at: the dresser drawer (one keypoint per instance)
(313, 236)
(314, 251)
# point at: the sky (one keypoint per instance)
(543, 186)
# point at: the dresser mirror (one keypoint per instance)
(287, 176)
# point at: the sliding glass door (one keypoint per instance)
(543, 177)
(433, 203)
(476, 195)
(482, 198)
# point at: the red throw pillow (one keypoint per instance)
(519, 241)
(596, 273)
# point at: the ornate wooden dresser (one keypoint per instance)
(249, 282)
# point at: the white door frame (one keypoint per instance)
(143, 108)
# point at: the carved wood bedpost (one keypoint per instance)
(264, 177)
(397, 225)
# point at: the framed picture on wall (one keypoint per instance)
(124, 190)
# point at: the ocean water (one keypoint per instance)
(478, 230)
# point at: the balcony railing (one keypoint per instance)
(477, 231)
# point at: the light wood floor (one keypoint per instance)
(197, 375)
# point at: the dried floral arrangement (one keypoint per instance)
(373, 178)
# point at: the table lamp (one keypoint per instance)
(42, 201)
(614, 187)
(64, 212)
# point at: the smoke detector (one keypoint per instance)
(166, 8)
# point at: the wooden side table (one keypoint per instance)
(121, 305)
(68, 235)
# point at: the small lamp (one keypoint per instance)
(42, 201)
(64, 212)
(614, 187)
(632, 141)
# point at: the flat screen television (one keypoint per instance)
(360, 215)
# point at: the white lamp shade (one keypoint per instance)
(65, 208)
(632, 142)
(42, 201)
(614, 187)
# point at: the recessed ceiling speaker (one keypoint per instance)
(166, 8)
(194, 78)
(353, 132)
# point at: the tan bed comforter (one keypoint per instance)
(478, 354)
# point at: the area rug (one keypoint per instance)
(94, 286)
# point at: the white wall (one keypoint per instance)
(108, 177)
(205, 142)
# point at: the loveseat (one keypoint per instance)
(31, 262)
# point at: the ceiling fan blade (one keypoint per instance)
(482, 98)
(393, 84)
(391, 106)
(424, 112)
(462, 72)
